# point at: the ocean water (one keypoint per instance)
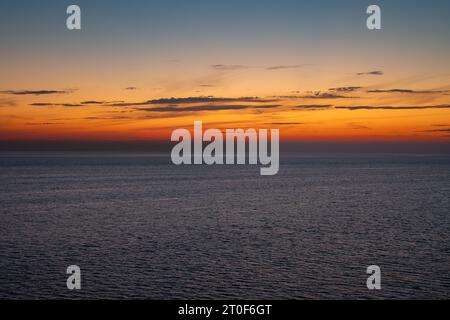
(142, 228)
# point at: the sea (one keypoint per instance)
(140, 227)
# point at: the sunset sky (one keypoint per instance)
(139, 69)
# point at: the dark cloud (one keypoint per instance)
(95, 102)
(195, 108)
(314, 107)
(392, 108)
(326, 95)
(42, 123)
(229, 67)
(171, 102)
(81, 104)
(131, 88)
(267, 106)
(370, 73)
(191, 100)
(203, 99)
(35, 92)
(406, 91)
(48, 104)
(317, 95)
(92, 102)
(345, 89)
(42, 104)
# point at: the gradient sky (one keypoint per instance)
(309, 68)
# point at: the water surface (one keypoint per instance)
(142, 228)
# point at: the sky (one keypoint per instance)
(137, 70)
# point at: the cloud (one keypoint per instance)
(92, 102)
(95, 102)
(168, 102)
(48, 104)
(190, 100)
(268, 106)
(326, 95)
(70, 105)
(317, 95)
(42, 123)
(35, 92)
(406, 91)
(438, 130)
(281, 67)
(392, 108)
(207, 107)
(130, 88)
(314, 107)
(370, 73)
(203, 99)
(229, 67)
(345, 89)
(195, 108)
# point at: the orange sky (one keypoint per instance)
(417, 112)
(315, 74)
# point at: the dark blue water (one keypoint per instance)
(140, 227)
